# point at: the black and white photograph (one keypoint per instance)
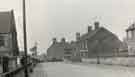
(67, 38)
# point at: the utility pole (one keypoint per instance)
(36, 46)
(25, 38)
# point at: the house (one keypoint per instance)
(8, 39)
(56, 50)
(130, 39)
(61, 50)
(98, 42)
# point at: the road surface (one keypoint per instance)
(61, 69)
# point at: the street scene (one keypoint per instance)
(67, 38)
(81, 70)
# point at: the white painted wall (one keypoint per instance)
(126, 61)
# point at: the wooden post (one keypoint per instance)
(25, 38)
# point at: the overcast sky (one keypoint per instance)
(63, 18)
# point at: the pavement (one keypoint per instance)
(39, 71)
(61, 69)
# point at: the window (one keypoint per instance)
(86, 46)
(82, 45)
(2, 42)
(130, 34)
(0, 60)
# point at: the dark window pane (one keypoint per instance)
(1, 43)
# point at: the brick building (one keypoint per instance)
(60, 50)
(98, 42)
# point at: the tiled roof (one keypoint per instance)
(93, 33)
(89, 35)
(7, 23)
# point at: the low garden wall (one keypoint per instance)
(126, 61)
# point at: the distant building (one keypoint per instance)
(8, 39)
(130, 40)
(98, 42)
(60, 50)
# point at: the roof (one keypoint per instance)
(131, 27)
(93, 33)
(7, 22)
(63, 45)
(89, 34)
(60, 46)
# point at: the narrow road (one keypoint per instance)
(81, 70)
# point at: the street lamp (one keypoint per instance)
(25, 37)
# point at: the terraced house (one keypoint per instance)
(98, 42)
(60, 50)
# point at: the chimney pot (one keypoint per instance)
(77, 36)
(54, 40)
(63, 40)
(96, 24)
(89, 29)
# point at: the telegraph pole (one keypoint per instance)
(25, 37)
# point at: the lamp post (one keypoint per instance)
(25, 37)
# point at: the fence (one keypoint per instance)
(19, 72)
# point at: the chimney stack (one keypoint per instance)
(54, 40)
(63, 40)
(89, 29)
(96, 24)
(77, 36)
